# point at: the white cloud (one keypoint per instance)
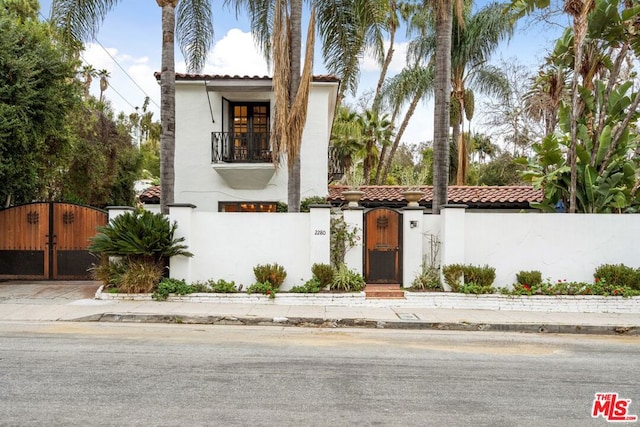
(236, 53)
(398, 61)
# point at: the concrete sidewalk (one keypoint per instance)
(73, 301)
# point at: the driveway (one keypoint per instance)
(51, 290)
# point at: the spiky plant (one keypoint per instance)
(139, 235)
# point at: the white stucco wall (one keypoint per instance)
(228, 245)
(198, 183)
(561, 246)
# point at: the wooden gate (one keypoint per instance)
(383, 249)
(47, 240)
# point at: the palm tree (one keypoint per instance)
(79, 20)
(344, 27)
(442, 97)
(88, 73)
(104, 81)
(398, 11)
(412, 85)
(376, 133)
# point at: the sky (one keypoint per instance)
(128, 45)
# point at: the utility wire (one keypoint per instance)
(119, 66)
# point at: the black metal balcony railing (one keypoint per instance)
(245, 147)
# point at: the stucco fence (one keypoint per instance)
(561, 246)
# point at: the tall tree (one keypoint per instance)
(79, 20)
(344, 26)
(104, 82)
(37, 90)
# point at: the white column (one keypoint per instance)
(452, 236)
(354, 218)
(180, 266)
(411, 244)
(319, 234)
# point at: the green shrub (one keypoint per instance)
(530, 278)
(223, 287)
(429, 278)
(312, 286)
(313, 200)
(139, 277)
(482, 276)
(171, 286)
(473, 288)
(272, 273)
(455, 275)
(619, 274)
(265, 288)
(324, 273)
(139, 235)
(142, 242)
(347, 280)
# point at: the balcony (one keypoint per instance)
(240, 147)
(242, 159)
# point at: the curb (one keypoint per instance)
(311, 322)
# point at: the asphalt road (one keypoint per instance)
(83, 374)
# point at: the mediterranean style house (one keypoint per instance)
(224, 159)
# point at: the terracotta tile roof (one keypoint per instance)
(185, 76)
(514, 197)
(151, 195)
(517, 197)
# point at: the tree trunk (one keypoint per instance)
(383, 74)
(167, 105)
(442, 99)
(396, 142)
(293, 186)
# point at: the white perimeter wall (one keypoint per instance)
(560, 246)
(229, 245)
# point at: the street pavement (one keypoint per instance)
(75, 301)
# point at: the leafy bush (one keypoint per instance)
(265, 288)
(140, 277)
(171, 286)
(139, 241)
(223, 287)
(530, 278)
(455, 275)
(324, 273)
(619, 274)
(312, 286)
(272, 273)
(347, 280)
(428, 278)
(313, 200)
(472, 288)
(563, 287)
(139, 235)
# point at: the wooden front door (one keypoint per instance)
(47, 240)
(383, 251)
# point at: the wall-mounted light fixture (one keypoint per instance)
(413, 224)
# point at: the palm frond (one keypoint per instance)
(80, 20)
(194, 31)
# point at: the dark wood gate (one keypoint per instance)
(47, 240)
(383, 246)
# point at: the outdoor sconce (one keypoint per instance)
(413, 224)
